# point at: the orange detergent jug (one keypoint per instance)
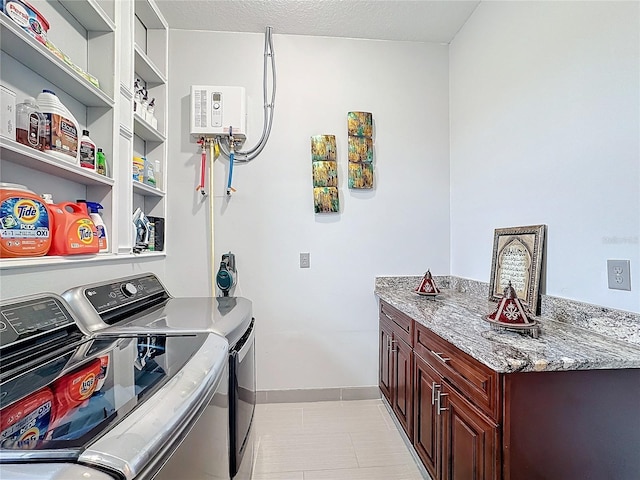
(73, 230)
(25, 229)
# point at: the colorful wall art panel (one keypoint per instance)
(360, 175)
(360, 130)
(325, 174)
(323, 147)
(360, 124)
(360, 149)
(326, 200)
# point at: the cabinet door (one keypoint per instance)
(384, 368)
(402, 383)
(426, 439)
(469, 440)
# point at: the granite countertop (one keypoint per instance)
(457, 318)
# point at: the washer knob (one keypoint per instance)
(129, 289)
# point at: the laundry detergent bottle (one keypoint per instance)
(75, 233)
(25, 227)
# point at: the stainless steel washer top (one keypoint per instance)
(119, 403)
(141, 301)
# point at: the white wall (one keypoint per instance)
(316, 327)
(545, 128)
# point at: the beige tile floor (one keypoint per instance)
(349, 440)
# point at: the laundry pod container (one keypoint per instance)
(25, 227)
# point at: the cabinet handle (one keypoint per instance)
(393, 342)
(388, 343)
(387, 316)
(434, 388)
(439, 408)
(441, 358)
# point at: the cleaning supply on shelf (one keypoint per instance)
(140, 231)
(75, 232)
(138, 169)
(101, 162)
(137, 97)
(157, 173)
(25, 227)
(7, 112)
(61, 128)
(87, 151)
(94, 213)
(150, 117)
(27, 17)
(30, 124)
(149, 174)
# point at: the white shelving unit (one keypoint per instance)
(98, 35)
(38, 58)
(150, 60)
(20, 154)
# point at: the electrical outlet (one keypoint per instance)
(619, 274)
(305, 261)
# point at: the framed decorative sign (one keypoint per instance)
(517, 258)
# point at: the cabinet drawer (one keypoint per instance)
(402, 324)
(477, 381)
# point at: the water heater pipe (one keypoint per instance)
(231, 159)
(248, 155)
(212, 252)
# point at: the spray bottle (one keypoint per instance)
(94, 212)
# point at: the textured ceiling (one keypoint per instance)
(417, 20)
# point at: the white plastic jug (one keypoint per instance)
(62, 129)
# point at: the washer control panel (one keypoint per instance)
(36, 316)
(110, 296)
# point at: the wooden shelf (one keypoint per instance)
(28, 51)
(20, 154)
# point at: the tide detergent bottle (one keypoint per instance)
(74, 231)
(25, 228)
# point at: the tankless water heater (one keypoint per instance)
(215, 109)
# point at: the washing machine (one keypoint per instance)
(114, 406)
(141, 303)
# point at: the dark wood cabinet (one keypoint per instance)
(468, 422)
(395, 376)
(384, 368)
(402, 383)
(426, 430)
(469, 439)
(454, 439)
